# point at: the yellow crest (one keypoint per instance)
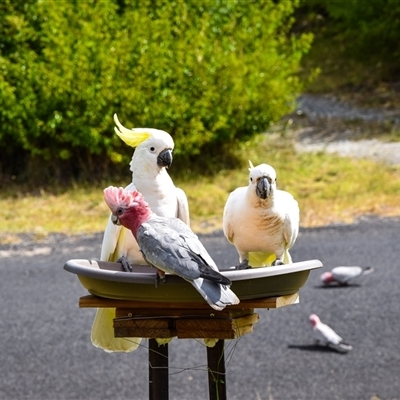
(130, 136)
(251, 165)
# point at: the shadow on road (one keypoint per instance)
(312, 347)
(337, 286)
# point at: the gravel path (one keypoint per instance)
(328, 106)
(325, 127)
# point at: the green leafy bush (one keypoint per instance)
(209, 73)
(367, 31)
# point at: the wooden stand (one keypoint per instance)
(185, 320)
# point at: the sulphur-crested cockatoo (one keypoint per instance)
(151, 158)
(324, 335)
(343, 276)
(170, 245)
(261, 221)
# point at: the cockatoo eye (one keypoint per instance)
(120, 211)
(251, 179)
(152, 149)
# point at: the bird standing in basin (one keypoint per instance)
(150, 161)
(324, 335)
(261, 221)
(170, 245)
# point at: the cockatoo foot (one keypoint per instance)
(126, 265)
(243, 265)
(277, 262)
(160, 277)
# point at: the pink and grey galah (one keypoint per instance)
(344, 275)
(324, 335)
(170, 246)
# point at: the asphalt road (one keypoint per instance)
(46, 351)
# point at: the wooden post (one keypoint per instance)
(216, 371)
(158, 371)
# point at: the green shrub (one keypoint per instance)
(207, 72)
(367, 31)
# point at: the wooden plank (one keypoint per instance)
(287, 300)
(215, 323)
(176, 312)
(181, 312)
(215, 334)
(100, 302)
(219, 328)
(127, 332)
(145, 323)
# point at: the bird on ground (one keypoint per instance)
(325, 336)
(261, 221)
(343, 276)
(170, 246)
(150, 161)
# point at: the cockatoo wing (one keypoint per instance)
(346, 274)
(233, 205)
(168, 244)
(183, 206)
(324, 334)
(192, 241)
(291, 222)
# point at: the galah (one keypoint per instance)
(151, 158)
(324, 335)
(170, 246)
(342, 276)
(261, 221)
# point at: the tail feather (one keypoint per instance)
(102, 335)
(367, 270)
(216, 295)
(213, 275)
(287, 258)
(341, 347)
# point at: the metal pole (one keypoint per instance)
(158, 371)
(216, 371)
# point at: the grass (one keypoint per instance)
(329, 189)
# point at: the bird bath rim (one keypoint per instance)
(106, 279)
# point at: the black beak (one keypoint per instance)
(263, 187)
(115, 220)
(164, 159)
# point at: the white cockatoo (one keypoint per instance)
(261, 221)
(151, 158)
(342, 276)
(324, 335)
